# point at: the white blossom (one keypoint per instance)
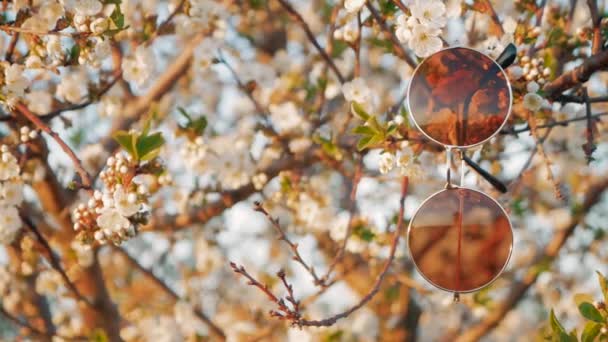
(353, 6)
(533, 101)
(72, 88)
(387, 162)
(112, 220)
(39, 101)
(139, 67)
(357, 91)
(286, 117)
(126, 203)
(430, 13)
(425, 40)
(11, 193)
(10, 222)
(9, 168)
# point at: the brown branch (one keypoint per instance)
(551, 124)
(592, 197)
(596, 44)
(37, 332)
(293, 246)
(311, 37)
(54, 260)
(284, 312)
(8, 56)
(578, 75)
(373, 291)
(494, 17)
(589, 147)
(351, 210)
(215, 330)
(33, 118)
(399, 50)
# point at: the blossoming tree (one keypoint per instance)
(246, 170)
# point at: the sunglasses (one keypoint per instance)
(460, 239)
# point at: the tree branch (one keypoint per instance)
(399, 50)
(82, 172)
(578, 75)
(373, 291)
(215, 330)
(311, 37)
(551, 251)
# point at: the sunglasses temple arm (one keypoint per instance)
(498, 185)
(507, 57)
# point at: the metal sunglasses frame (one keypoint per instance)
(506, 58)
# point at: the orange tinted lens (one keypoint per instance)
(460, 239)
(459, 97)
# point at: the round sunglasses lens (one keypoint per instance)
(460, 239)
(459, 97)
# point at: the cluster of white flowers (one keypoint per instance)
(530, 69)
(112, 215)
(14, 85)
(139, 67)
(11, 195)
(286, 118)
(359, 92)
(26, 134)
(194, 153)
(421, 30)
(403, 159)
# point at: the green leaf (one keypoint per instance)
(556, 326)
(127, 141)
(363, 143)
(603, 285)
(148, 146)
(590, 331)
(589, 311)
(116, 2)
(364, 233)
(197, 126)
(364, 130)
(358, 110)
(117, 17)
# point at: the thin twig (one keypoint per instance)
(399, 50)
(293, 246)
(33, 118)
(494, 17)
(35, 331)
(54, 260)
(311, 37)
(527, 128)
(349, 228)
(589, 146)
(372, 292)
(576, 76)
(596, 19)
